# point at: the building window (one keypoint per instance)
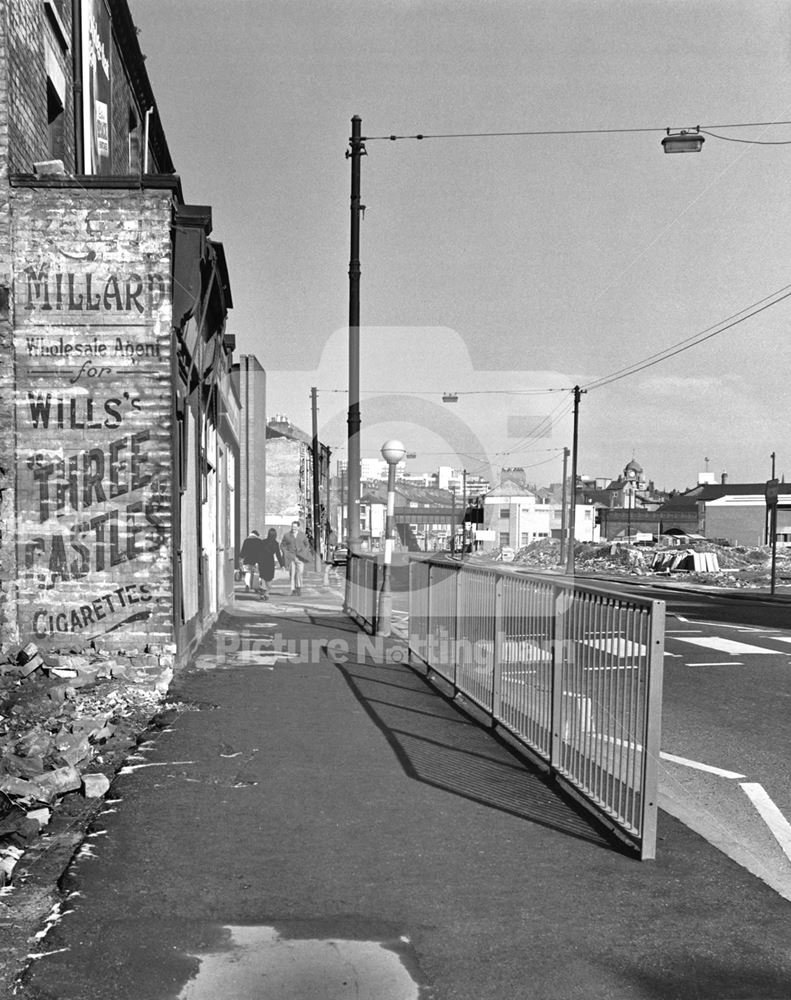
(525, 538)
(56, 144)
(505, 512)
(505, 538)
(134, 143)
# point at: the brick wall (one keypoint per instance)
(29, 41)
(250, 380)
(285, 486)
(27, 84)
(93, 395)
(7, 411)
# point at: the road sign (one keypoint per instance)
(772, 491)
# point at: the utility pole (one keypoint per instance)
(452, 541)
(327, 527)
(316, 498)
(343, 531)
(355, 152)
(573, 488)
(563, 510)
(463, 513)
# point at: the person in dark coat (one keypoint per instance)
(270, 551)
(250, 557)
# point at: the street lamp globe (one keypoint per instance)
(393, 452)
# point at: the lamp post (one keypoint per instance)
(392, 453)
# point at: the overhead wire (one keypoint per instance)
(692, 341)
(569, 131)
(463, 392)
(751, 142)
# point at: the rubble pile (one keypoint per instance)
(703, 561)
(59, 716)
(541, 554)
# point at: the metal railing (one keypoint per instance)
(572, 670)
(363, 581)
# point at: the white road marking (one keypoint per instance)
(728, 645)
(620, 647)
(682, 631)
(696, 764)
(771, 815)
(781, 638)
(739, 628)
(716, 663)
(516, 650)
(617, 741)
(613, 666)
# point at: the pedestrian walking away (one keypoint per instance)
(270, 553)
(250, 556)
(296, 552)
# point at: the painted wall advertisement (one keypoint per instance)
(96, 79)
(93, 448)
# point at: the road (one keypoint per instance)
(725, 723)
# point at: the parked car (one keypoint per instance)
(340, 554)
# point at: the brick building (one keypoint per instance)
(118, 419)
(249, 379)
(289, 482)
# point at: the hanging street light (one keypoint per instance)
(685, 141)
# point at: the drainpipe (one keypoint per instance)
(145, 141)
(77, 107)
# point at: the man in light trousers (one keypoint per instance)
(296, 552)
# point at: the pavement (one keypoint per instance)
(430, 825)
(385, 814)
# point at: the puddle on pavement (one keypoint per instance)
(259, 962)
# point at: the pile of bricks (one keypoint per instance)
(57, 714)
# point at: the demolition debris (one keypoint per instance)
(61, 716)
(699, 561)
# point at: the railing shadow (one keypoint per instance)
(438, 744)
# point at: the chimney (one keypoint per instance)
(724, 478)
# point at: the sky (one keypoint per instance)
(504, 269)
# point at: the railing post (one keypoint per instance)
(454, 623)
(409, 619)
(347, 584)
(497, 650)
(374, 616)
(427, 657)
(653, 733)
(558, 654)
